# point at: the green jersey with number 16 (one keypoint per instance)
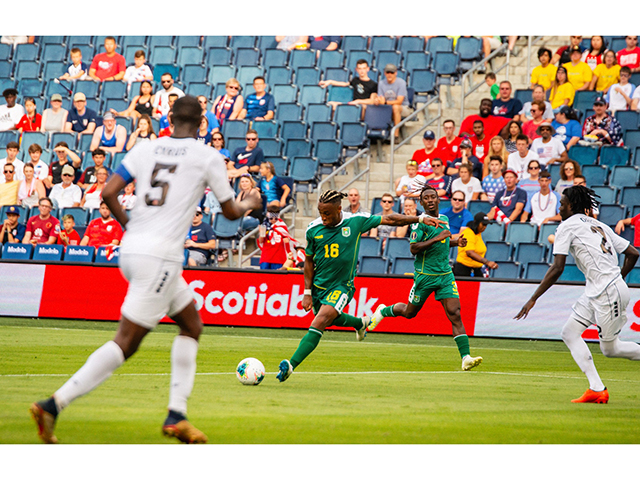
(335, 249)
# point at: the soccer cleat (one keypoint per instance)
(593, 397)
(285, 370)
(185, 432)
(45, 421)
(360, 334)
(468, 362)
(376, 318)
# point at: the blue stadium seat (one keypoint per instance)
(311, 94)
(521, 232)
(278, 75)
(630, 196)
(535, 270)
(29, 138)
(624, 176)
(194, 74)
(339, 94)
(113, 90)
(323, 131)
(353, 43)
(611, 155)
(5, 52)
(293, 129)
(8, 136)
(284, 94)
(327, 151)
(26, 69)
(302, 58)
(220, 74)
(162, 54)
(199, 88)
(271, 146)
(76, 253)
(510, 270)
(127, 40)
(303, 169)
(372, 265)
(190, 55)
(187, 41)
(617, 44)
(379, 121)
(330, 59)
(571, 274)
(25, 51)
(16, 251)
(410, 44)
(347, 113)
(523, 95)
(307, 76)
(215, 41)
(610, 214)
(317, 112)
(53, 70)
(594, 174)
(266, 129)
(493, 233)
(403, 265)
(234, 128)
(634, 276)
(24, 214)
(47, 253)
(498, 251)
(288, 111)
(266, 42)
(274, 57)
(353, 134)
(297, 147)
(247, 73)
(546, 230)
(627, 119)
(583, 100)
(88, 87)
(369, 246)
(129, 53)
(476, 206)
(439, 44)
(423, 81)
(385, 57)
(69, 138)
(338, 74)
(416, 60)
(160, 41)
(101, 256)
(80, 215)
(246, 57)
(379, 43)
(233, 143)
(354, 55)
(53, 53)
(446, 65)
(607, 194)
(219, 56)
(242, 41)
(280, 164)
(584, 155)
(397, 247)
(529, 252)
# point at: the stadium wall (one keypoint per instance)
(273, 299)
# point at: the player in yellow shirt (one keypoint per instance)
(579, 73)
(606, 74)
(544, 73)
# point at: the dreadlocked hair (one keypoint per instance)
(581, 199)
(422, 186)
(332, 196)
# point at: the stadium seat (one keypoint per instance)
(187, 41)
(627, 119)
(311, 94)
(5, 52)
(498, 251)
(416, 60)
(17, 251)
(246, 74)
(303, 169)
(477, 206)
(330, 59)
(535, 270)
(293, 129)
(242, 41)
(397, 247)
(328, 152)
(29, 138)
(288, 111)
(76, 253)
(509, 270)
(194, 74)
(284, 94)
(584, 155)
(439, 44)
(337, 74)
(162, 54)
(571, 274)
(226, 232)
(47, 253)
(353, 43)
(280, 164)
(339, 94)
(317, 112)
(80, 215)
(53, 70)
(493, 233)
(220, 74)
(117, 160)
(26, 69)
(297, 147)
(630, 196)
(21, 219)
(266, 129)
(446, 66)
(634, 276)
(546, 230)
(323, 131)
(101, 256)
(8, 136)
(583, 100)
(372, 265)
(347, 113)
(215, 41)
(523, 95)
(271, 146)
(595, 174)
(470, 51)
(274, 57)
(529, 252)
(380, 43)
(190, 55)
(302, 58)
(632, 139)
(53, 53)
(353, 134)
(379, 121)
(68, 138)
(403, 265)
(219, 56)
(423, 81)
(278, 75)
(160, 41)
(610, 214)
(25, 51)
(611, 155)
(234, 128)
(623, 176)
(607, 194)
(385, 57)
(410, 44)
(199, 88)
(266, 42)
(307, 76)
(369, 246)
(246, 57)
(521, 232)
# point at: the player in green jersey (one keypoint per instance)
(433, 274)
(333, 241)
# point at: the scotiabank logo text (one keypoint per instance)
(267, 300)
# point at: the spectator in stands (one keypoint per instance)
(504, 105)
(467, 184)
(324, 42)
(630, 56)
(364, 89)
(493, 124)
(31, 121)
(579, 73)
(110, 136)
(54, 118)
(562, 92)
(65, 157)
(466, 157)
(77, 69)
(602, 125)
(408, 185)
(544, 73)
(229, 105)
(489, 44)
(89, 176)
(260, 105)
(93, 194)
(410, 207)
(108, 66)
(496, 149)
(203, 132)
(274, 240)
(12, 159)
(563, 54)
(40, 168)
(448, 146)
(139, 71)
(210, 204)
(12, 231)
(567, 127)
(424, 156)
(31, 189)
(42, 228)
(393, 91)
(200, 241)
(385, 231)
(161, 101)
(252, 218)
(292, 42)
(66, 194)
(212, 122)
(493, 182)
(104, 230)
(569, 170)
(537, 94)
(217, 142)
(81, 119)
(141, 104)
(635, 99)
(17, 39)
(606, 73)
(128, 198)
(593, 56)
(247, 159)
(11, 112)
(619, 95)
(440, 181)
(544, 205)
(457, 213)
(353, 195)
(519, 159)
(508, 204)
(548, 148)
(165, 127)
(530, 183)
(512, 131)
(9, 188)
(68, 235)
(480, 143)
(143, 132)
(633, 221)
(273, 187)
(490, 80)
(470, 257)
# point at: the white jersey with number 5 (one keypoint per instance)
(594, 246)
(171, 175)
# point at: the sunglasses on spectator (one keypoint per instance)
(252, 139)
(436, 165)
(569, 168)
(458, 199)
(166, 81)
(198, 213)
(233, 87)
(387, 201)
(67, 175)
(534, 168)
(219, 139)
(8, 171)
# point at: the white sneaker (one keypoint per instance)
(469, 362)
(360, 334)
(376, 318)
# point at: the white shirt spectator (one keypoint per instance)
(547, 115)
(468, 189)
(547, 151)
(9, 117)
(543, 206)
(66, 197)
(161, 101)
(135, 74)
(518, 164)
(40, 170)
(616, 100)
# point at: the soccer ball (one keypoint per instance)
(250, 371)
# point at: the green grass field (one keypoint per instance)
(387, 389)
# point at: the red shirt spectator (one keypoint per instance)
(635, 221)
(102, 231)
(43, 229)
(492, 123)
(630, 56)
(109, 65)
(30, 124)
(74, 238)
(424, 155)
(448, 146)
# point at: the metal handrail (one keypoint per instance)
(404, 141)
(357, 176)
(252, 233)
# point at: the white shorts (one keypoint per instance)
(156, 289)
(608, 311)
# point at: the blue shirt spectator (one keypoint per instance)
(459, 219)
(260, 105)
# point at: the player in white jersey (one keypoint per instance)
(171, 175)
(604, 302)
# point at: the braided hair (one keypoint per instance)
(581, 199)
(332, 196)
(422, 186)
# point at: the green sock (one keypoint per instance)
(388, 311)
(307, 345)
(463, 345)
(346, 320)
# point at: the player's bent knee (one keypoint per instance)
(608, 349)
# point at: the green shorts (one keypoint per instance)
(423, 285)
(337, 296)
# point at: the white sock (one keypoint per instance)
(98, 367)
(183, 371)
(620, 349)
(572, 337)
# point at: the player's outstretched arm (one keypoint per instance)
(398, 220)
(110, 196)
(630, 259)
(232, 209)
(551, 277)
